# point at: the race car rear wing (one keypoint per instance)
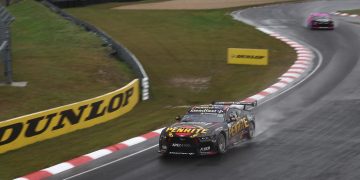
(245, 104)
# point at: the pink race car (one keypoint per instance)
(320, 21)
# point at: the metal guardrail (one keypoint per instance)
(8, 2)
(5, 49)
(120, 51)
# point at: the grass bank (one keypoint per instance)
(61, 63)
(355, 11)
(184, 53)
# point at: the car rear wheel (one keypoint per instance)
(221, 144)
(251, 131)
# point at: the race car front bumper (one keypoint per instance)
(322, 26)
(187, 146)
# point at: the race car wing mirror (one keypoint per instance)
(232, 119)
(177, 118)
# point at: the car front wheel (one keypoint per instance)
(221, 144)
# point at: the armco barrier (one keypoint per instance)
(5, 43)
(120, 51)
(297, 73)
(28, 129)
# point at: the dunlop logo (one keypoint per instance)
(247, 56)
(35, 127)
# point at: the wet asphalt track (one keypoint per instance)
(310, 132)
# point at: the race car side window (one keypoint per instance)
(239, 113)
(231, 113)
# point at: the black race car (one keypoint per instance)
(209, 129)
(320, 21)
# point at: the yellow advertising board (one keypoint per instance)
(28, 129)
(247, 56)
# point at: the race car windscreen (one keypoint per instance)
(203, 117)
(322, 19)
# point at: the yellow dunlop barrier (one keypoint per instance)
(247, 56)
(28, 129)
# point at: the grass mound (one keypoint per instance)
(184, 53)
(61, 63)
(354, 11)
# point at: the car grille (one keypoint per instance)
(183, 144)
(323, 24)
(189, 145)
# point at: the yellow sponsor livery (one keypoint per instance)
(238, 127)
(187, 130)
(192, 132)
(247, 56)
(28, 129)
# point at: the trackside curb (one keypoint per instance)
(345, 14)
(301, 67)
(296, 72)
(84, 159)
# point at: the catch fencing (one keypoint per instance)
(5, 44)
(119, 50)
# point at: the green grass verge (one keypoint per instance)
(184, 53)
(355, 11)
(61, 63)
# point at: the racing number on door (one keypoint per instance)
(238, 126)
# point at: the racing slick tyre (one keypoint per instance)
(221, 144)
(251, 131)
(165, 154)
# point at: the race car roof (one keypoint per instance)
(216, 109)
(320, 14)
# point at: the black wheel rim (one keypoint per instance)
(221, 144)
(251, 130)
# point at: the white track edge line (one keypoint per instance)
(111, 162)
(320, 57)
(277, 95)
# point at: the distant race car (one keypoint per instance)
(209, 129)
(320, 21)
